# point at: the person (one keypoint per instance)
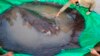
(90, 4)
(8, 54)
(94, 52)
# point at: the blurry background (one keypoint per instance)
(97, 8)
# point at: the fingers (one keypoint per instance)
(93, 51)
(57, 14)
(8, 54)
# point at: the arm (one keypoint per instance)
(8, 54)
(63, 8)
(94, 52)
(92, 6)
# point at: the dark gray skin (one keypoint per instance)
(40, 24)
(17, 36)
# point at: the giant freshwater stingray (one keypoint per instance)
(33, 29)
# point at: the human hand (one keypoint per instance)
(93, 51)
(57, 14)
(8, 54)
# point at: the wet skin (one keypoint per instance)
(24, 30)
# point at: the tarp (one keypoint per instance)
(88, 38)
(7, 4)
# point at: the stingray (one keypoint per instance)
(25, 29)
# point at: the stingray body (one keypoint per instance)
(21, 29)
